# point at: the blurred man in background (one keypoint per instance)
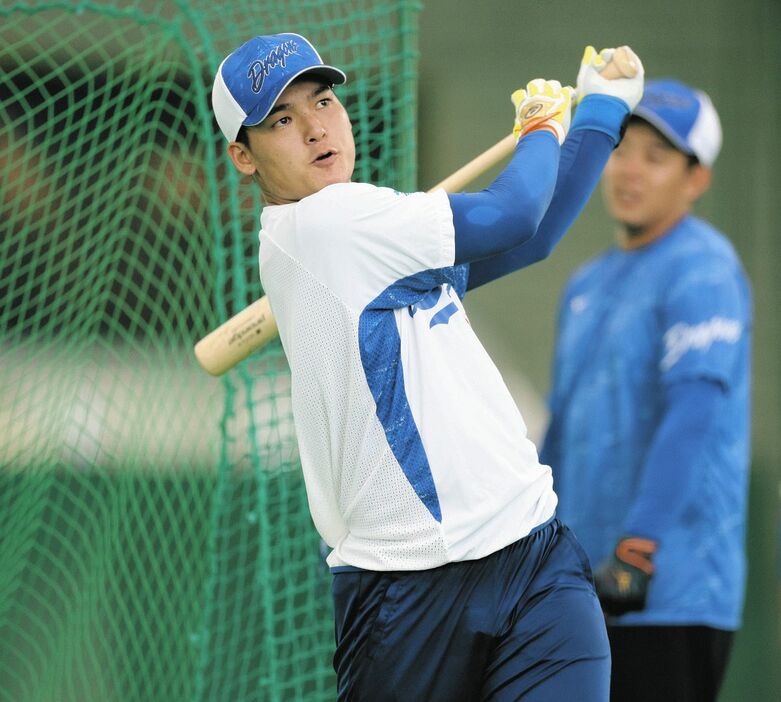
(649, 430)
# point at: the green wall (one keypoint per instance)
(473, 55)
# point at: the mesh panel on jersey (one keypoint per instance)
(339, 413)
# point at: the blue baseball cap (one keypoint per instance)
(250, 80)
(684, 115)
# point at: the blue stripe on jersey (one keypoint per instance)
(380, 347)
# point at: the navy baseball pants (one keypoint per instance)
(521, 624)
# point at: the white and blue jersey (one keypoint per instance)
(633, 324)
(413, 451)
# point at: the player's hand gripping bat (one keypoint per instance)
(253, 327)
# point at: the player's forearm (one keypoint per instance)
(509, 211)
(670, 473)
(595, 131)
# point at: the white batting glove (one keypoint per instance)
(590, 80)
(545, 104)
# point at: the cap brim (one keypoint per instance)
(331, 74)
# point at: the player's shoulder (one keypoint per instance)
(701, 260)
(337, 192)
(700, 235)
(327, 210)
(701, 245)
(351, 194)
(349, 201)
(347, 206)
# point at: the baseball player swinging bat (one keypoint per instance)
(253, 327)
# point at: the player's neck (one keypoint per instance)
(632, 237)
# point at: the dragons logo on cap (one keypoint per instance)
(259, 69)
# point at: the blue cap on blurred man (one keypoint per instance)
(250, 80)
(684, 115)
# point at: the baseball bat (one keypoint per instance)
(253, 327)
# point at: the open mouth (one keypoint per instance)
(626, 197)
(324, 156)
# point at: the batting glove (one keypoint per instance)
(622, 581)
(590, 80)
(543, 105)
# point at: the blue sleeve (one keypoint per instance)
(704, 318)
(672, 469)
(596, 130)
(509, 211)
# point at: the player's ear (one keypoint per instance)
(700, 178)
(242, 158)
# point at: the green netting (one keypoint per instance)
(155, 540)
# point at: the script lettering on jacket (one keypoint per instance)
(681, 337)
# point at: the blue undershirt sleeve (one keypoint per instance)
(672, 469)
(596, 130)
(509, 211)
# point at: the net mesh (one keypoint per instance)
(155, 540)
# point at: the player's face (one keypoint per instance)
(305, 144)
(648, 185)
